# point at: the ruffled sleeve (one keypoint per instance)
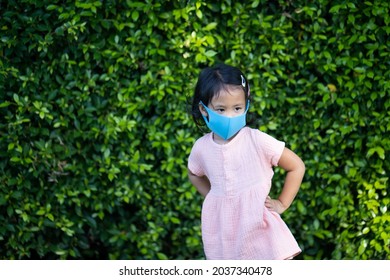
(195, 160)
(270, 147)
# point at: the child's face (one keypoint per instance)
(230, 102)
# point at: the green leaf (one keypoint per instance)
(210, 53)
(210, 26)
(362, 247)
(175, 220)
(199, 14)
(51, 7)
(162, 256)
(135, 15)
(16, 98)
(301, 207)
(255, 4)
(41, 212)
(5, 104)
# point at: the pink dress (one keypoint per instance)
(235, 223)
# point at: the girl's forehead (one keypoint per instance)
(230, 93)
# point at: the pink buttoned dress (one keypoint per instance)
(236, 225)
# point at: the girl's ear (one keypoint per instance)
(202, 110)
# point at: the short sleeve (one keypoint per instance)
(271, 147)
(194, 161)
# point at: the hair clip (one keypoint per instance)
(243, 83)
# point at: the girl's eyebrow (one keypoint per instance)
(218, 105)
(223, 106)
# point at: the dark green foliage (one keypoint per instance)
(95, 133)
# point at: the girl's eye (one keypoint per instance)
(238, 108)
(221, 110)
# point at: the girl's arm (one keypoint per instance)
(202, 184)
(295, 168)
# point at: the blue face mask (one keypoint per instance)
(225, 127)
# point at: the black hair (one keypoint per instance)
(211, 81)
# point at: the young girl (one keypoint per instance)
(232, 168)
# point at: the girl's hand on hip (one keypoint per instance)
(274, 205)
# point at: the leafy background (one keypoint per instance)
(95, 131)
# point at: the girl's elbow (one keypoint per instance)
(301, 167)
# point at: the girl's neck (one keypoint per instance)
(219, 140)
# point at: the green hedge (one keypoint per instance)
(95, 131)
